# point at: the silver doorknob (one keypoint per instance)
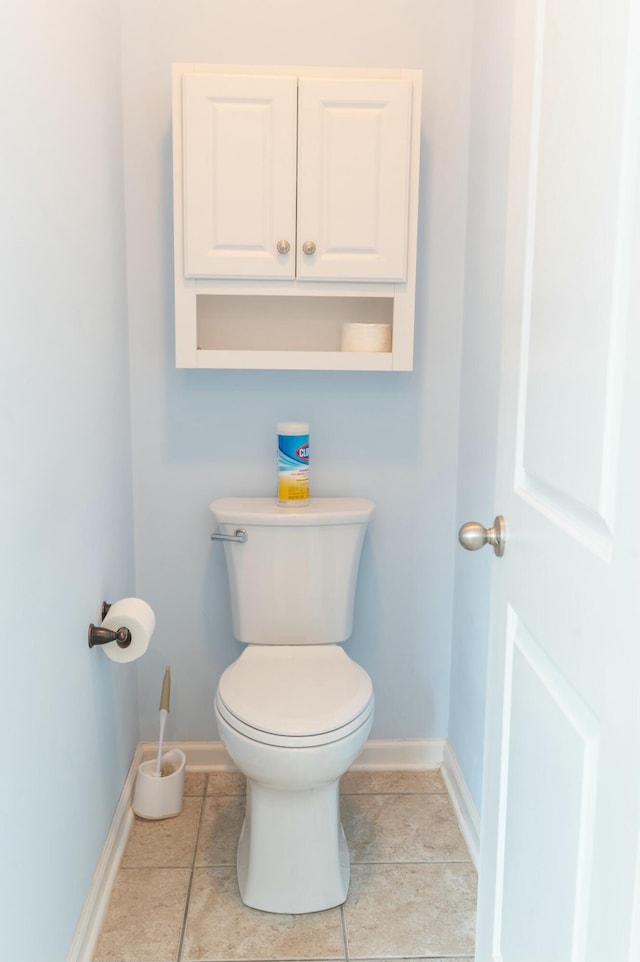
(472, 535)
(309, 247)
(283, 247)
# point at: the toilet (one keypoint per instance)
(293, 711)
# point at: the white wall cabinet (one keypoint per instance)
(239, 178)
(295, 211)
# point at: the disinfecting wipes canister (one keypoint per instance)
(293, 463)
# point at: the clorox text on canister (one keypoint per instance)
(293, 463)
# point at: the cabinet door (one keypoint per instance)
(354, 139)
(239, 183)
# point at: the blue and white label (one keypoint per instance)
(293, 468)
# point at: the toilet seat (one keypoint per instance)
(295, 696)
(293, 741)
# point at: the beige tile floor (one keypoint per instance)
(412, 893)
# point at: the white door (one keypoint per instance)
(239, 175)
(560, 857)
(354, 156)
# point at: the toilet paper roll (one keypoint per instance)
(138, 617)
(359, 336)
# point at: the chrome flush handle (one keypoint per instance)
(240, 536)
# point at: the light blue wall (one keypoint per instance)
(69, 716)
(488, 173)
(198, 435)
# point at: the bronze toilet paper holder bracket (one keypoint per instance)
(102, 636)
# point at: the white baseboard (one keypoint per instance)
(464, 806)
(393, 754)
(201, 756)
(400, 753)
(88, 929)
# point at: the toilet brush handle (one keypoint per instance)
(163, 718)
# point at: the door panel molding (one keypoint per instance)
(550, 768)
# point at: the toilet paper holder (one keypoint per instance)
(102, 636)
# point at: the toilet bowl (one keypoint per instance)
(294, 710)
(292, 854)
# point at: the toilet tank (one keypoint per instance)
(293, 581)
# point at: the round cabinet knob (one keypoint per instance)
(473, 535)
(309, 247)
(283, 247)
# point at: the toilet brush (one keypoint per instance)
(159, 791)
(165, 699)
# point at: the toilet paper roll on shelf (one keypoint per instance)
(360, 336)
(131, 622)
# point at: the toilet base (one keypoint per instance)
(292, 853)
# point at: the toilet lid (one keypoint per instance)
(295, 690)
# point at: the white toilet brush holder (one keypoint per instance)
(160, 796)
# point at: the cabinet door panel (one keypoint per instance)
(353, 178)
(239, 154)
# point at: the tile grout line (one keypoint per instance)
(430, 861)
(183, 927)
(356, 794)
(344, 933)
(394, 795)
